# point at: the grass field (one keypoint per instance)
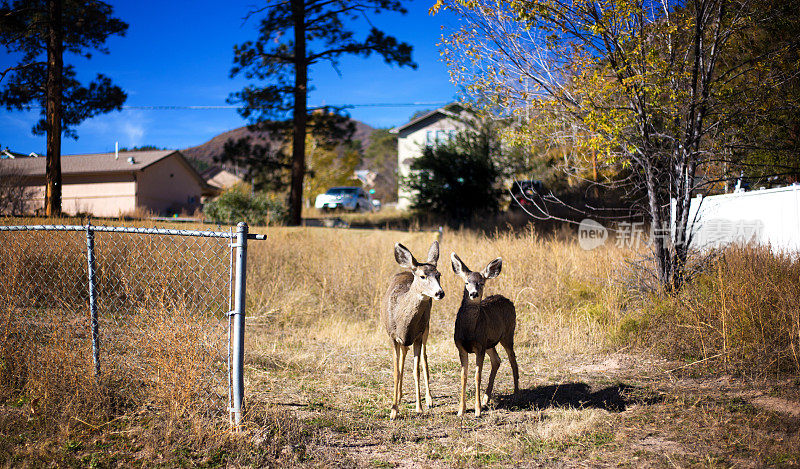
(609, 376)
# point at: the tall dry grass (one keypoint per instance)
(742, 314)
(159, 399)
(333, 281)
(165, 360)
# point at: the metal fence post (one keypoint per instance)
(93, 299)
(238, 313)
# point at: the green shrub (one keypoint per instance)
(241, 204)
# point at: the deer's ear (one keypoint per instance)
(404, 257)
(458, 266)
(433, 253)
(492, 270)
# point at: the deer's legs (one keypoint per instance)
(428, 398)
(395, 371)
(495, 365)
(417, 351)
(402, 363)
(512, 360)
(464, 357)
(399, 361)
(479, 355)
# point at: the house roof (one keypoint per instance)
(449, 110)
(220, 178)
(213, 171)
(99, 163)
(12, 154)
(128, 161)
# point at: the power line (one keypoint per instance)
(211, 108)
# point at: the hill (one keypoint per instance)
(208, 151)
(381, 158)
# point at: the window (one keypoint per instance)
(437, 137)
(342, 191)
(429, 138)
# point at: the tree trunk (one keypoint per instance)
(595, 175)
(661, 251)
(300, 115)
(55, 65)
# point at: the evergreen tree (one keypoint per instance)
(458, 178)
(39, 32)
(293, 36)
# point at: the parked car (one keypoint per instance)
(345, 198)
(525, 193)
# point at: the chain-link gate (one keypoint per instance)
(112, 280)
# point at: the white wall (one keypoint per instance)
(409, 147)
(770, 216)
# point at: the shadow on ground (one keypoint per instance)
(615, 398)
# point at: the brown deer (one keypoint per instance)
(406, 315)
(480, 326)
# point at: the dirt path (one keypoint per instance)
(591, 410)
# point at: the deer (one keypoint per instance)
(406, 315)
(480, 325)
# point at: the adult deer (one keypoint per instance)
(406, 315)
(480, 326)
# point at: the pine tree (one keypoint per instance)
(39, 32)
(293, 36)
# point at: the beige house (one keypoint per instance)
(221, 178)
(429, 129)
(110, 185)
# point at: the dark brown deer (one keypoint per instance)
(480, 326)
(406, 315)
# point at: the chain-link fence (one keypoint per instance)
(162, 306)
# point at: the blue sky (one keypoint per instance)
(179, 53)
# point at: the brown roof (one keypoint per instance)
(449, 110)
(93, 163)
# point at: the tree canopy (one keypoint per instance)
(458, 178)
(462, 177)
(37, 33)
(24, 32)
(653, 85)
(294, 36)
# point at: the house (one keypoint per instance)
(429, 129)
(114, 184)
(5, 154)
(221, 178)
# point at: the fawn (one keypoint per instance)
(480, 326)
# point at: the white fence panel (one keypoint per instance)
(767, 216)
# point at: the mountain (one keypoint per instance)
(381, 158)
(203, 155)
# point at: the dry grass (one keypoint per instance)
(318, 367)
(565, 296)
(742, 315)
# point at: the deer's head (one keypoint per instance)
(426, 277)
(475, 281)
